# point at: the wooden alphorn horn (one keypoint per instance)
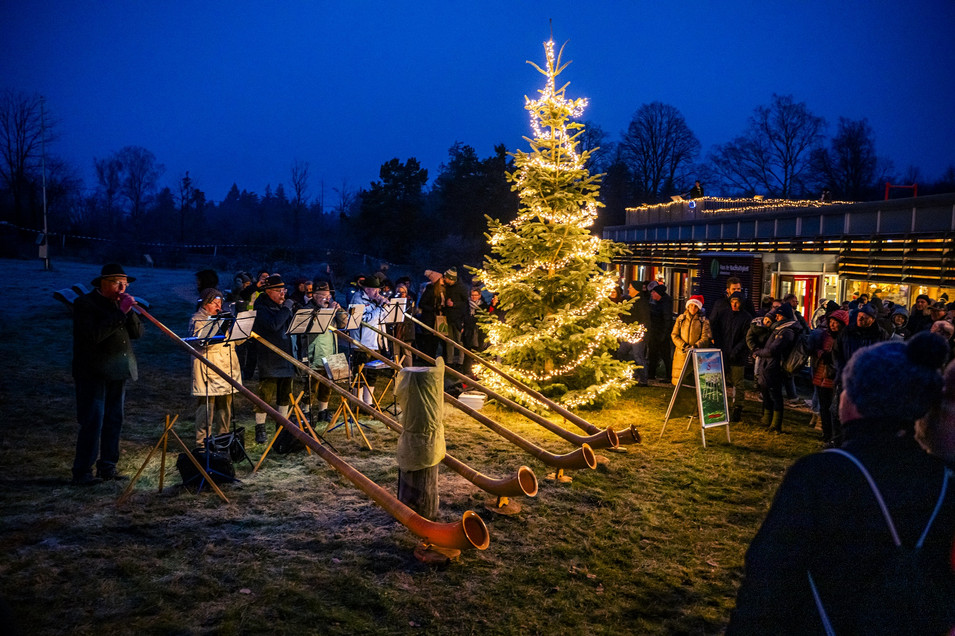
(626, 436)
(581, 458)
(469, 532)
(606, 438)
(524, 483)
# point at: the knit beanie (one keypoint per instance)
(895, 379)
(786, 311)
(868, 309)
(841, 315)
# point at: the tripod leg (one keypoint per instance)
(161, 441)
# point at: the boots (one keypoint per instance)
(260, 436)
(737, 414)
(777, 423)
(767, 418)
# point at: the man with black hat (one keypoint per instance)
(273, 314)
(103, 327)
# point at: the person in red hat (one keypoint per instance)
(104, 327)
(690, 331)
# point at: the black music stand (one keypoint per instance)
(314, 321)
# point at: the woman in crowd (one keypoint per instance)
(690, 331)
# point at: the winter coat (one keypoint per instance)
(660, 325)
(821, 341)
(271, 322)
(826, 520)
(757, 335)
(371, 315)
(900, 332)
(205, 381)
(102, 339)
(324, 345)
(853, 338)
(689, 332)
(769, 358)
(731, 339)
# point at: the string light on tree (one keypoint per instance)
(560, 325)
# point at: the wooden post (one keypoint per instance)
(419, 391)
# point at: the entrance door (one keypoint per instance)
(805, 288)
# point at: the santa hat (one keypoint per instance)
(695, 300)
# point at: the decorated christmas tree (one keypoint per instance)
(560, 326)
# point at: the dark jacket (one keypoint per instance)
(825, 519)
(721, 308)
(732, 337)
(853, 338)
(770, 357)
(271, 322)
(660, 325)
(102, 335)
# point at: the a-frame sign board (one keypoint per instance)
(710, 385)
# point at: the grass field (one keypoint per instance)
(650, 543)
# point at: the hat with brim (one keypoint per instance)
(370, 282)
(111, 270)
(322, 285)
(274, 282)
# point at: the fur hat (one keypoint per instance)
(695, 300)
(111, 270)
(274, 282)
(895, 379)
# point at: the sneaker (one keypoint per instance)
(86, 479)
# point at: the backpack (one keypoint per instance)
(906, 596)
(798, 354)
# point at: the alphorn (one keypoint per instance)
(524, 483)
(580, 458)
(606, 438)
(469, 532)
(626, 436)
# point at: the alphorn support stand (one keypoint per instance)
(162, 441)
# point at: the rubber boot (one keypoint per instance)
(767, 418)
(777, 424)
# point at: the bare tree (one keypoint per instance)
(299, 199)
(774, 155)
(849, 164)
(657, 146)
(593, 139)
(23, 132)
(109, 176)
(140, 176)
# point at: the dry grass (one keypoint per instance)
(653, 544)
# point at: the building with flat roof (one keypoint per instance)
(896, 249)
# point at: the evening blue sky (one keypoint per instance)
(237, 91)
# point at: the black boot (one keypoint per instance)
(260, 437)
(737, 414)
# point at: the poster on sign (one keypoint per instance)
(705, 367)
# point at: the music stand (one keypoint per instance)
(355, 314)
(338, 371)
(313, 321)
(394, 311)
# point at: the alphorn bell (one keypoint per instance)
(606, 438)
(581, 458)
(524, 483)
(469, 532)
(626, 436)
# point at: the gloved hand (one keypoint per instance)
(126, 303)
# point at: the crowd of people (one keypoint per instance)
(765, 338)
